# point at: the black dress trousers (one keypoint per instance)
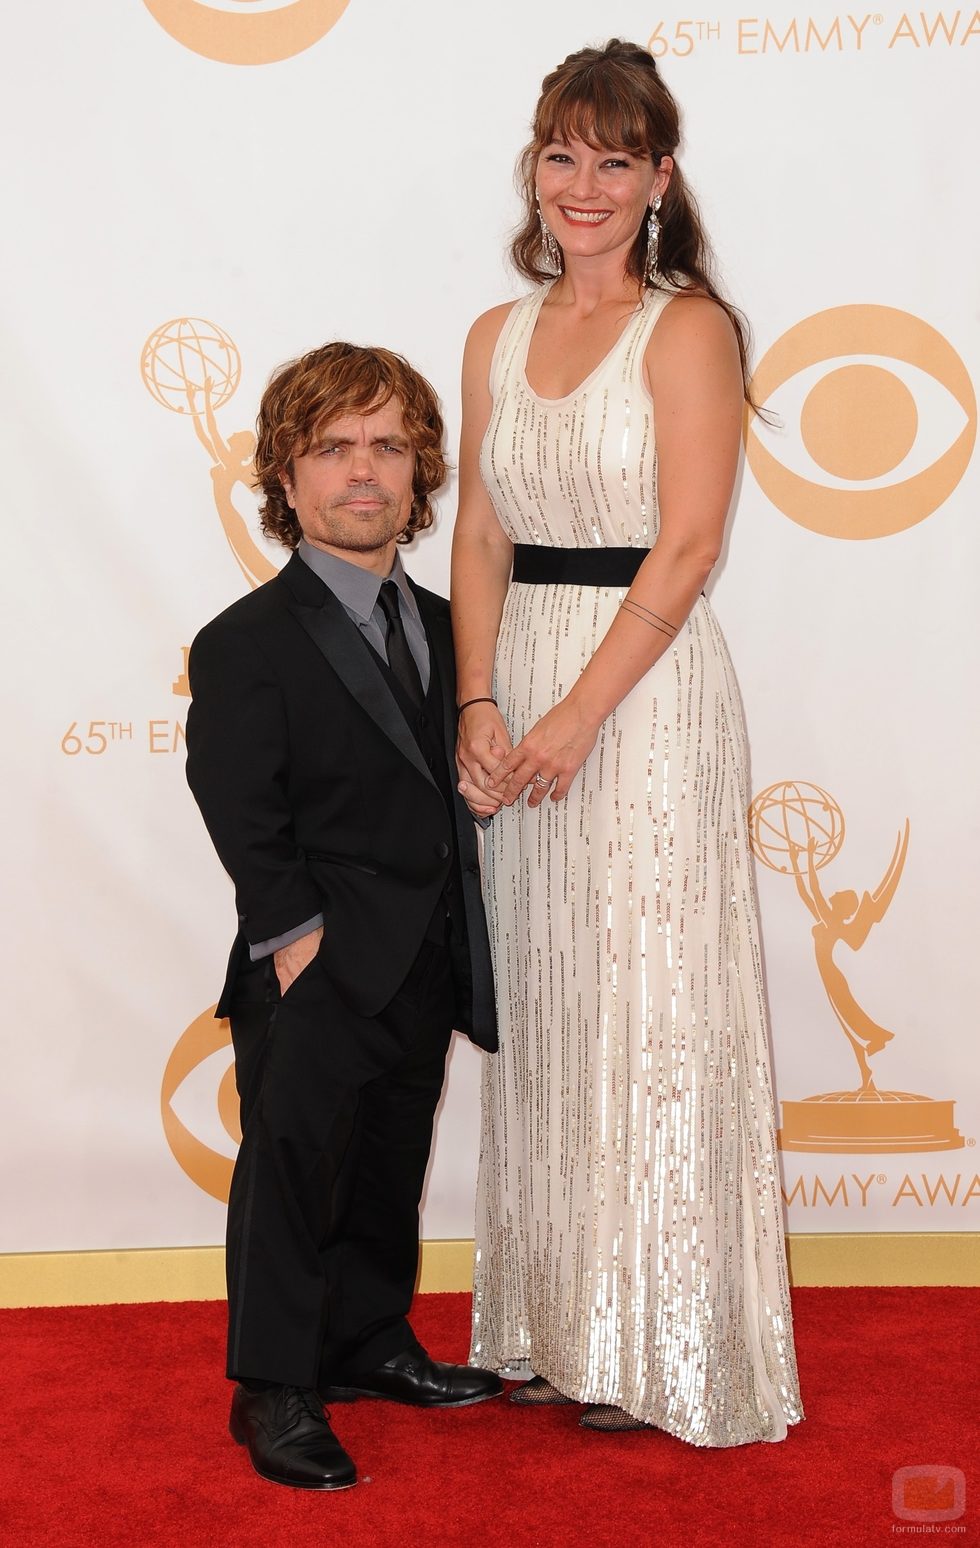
(337, 1114)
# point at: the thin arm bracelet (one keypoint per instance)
(460, 707)
(666, 622)
(639, 611)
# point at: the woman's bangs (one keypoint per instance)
(591, 111)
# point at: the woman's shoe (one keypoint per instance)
(609, 1420)
(538, 1392)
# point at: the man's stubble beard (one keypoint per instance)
(359, 534)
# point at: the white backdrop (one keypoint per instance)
(353, 178)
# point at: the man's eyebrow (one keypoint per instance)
(320, 441)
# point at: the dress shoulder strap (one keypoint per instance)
(520, 317)
(655, 303)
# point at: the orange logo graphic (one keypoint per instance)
(860, 422)
(181, 683)
(798, 829)
(192, 367)
(241, 33)
(928, 1493)
(205, 1166)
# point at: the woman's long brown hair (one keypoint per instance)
(614, 97)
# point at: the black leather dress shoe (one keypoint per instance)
(289, 1439)
(414, 1378)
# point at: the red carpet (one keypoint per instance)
(114, 1434)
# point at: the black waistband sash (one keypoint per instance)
(537, 566)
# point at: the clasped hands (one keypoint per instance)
(544, 762)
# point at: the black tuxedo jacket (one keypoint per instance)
(317, 796)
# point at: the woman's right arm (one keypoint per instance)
(481, 565)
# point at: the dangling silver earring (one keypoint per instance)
(552, 252)
(653, 240)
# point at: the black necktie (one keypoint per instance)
(400, 657)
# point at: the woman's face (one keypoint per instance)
(595, 200)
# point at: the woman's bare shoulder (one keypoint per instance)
(693, 329)
(694, 311)
(488, 326)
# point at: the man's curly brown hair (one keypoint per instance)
(305, 395)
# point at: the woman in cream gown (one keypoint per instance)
(630, 1252)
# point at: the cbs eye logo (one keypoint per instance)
(199, 1105)
(246, 32)
(884, 436)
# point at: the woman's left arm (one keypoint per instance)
(693, 371)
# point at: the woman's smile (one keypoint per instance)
(584, 217)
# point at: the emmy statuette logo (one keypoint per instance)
(872, 461)
(797, 829)
(247, 32)
(192, 367)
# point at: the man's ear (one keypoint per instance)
(285, 479)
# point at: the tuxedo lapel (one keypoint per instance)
(318, 611)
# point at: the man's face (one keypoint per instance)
(352, 491)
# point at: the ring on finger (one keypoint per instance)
(540, 780)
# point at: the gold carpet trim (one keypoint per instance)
(197, 1273)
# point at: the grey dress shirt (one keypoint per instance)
(356, 590)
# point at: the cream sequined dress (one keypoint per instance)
(629, 1238)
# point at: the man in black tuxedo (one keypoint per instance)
(320, 750)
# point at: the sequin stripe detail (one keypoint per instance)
(613, 1173)
(568, 448)
(628, 1228)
